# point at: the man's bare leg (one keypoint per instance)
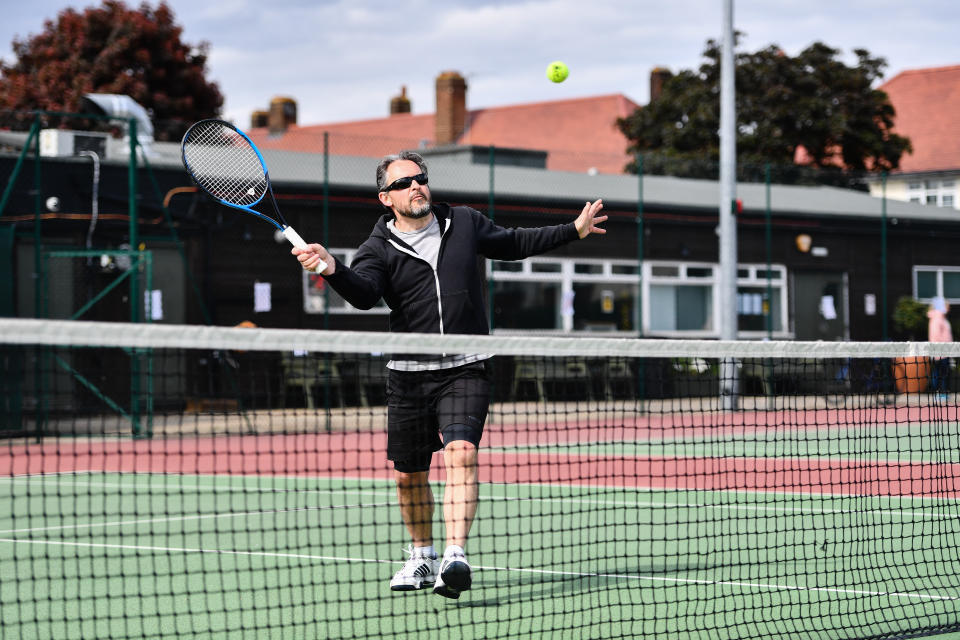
(416, 506)
(462, 491)
(459, 508)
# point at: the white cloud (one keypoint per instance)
(345, 59)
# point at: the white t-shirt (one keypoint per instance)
(426, 242)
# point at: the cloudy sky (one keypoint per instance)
(344, 59)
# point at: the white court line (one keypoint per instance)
(573, 574)
(547, 485)
(186, 518)
(565, 500)
(757, 508)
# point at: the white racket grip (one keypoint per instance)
(298, 242)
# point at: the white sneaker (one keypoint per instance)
(455, 575)
(417, 572)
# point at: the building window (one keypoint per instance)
(527, 305)
(933, 192)
(681, 307)
(317, 294)
(930, 282)
(564, 295)
(761, 291)
(571, 295)
(592, 295)
(681, 300)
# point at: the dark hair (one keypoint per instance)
(413, 156)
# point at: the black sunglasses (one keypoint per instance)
(404, 183)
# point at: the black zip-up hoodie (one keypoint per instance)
(449, 300)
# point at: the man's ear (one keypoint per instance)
(385, 198)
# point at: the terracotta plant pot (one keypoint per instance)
(911, 374)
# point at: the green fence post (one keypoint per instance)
(326, 221)
(37, 225)
(883, 258)
(326, 289)
(639, 314)
(768, 242)
(491, 162)
(135, 296)
(43, 356)
(641, 370)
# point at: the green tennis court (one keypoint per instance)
(116, 555)
(615, 513)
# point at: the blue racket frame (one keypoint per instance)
(281, 223)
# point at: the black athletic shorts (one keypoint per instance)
(422, 406)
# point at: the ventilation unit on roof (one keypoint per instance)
(60, 143)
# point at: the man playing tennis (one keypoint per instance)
(421, 258)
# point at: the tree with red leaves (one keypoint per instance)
(112, 49)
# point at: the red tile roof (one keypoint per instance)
(578, 134)
(927, 102)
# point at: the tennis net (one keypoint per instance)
(168, 481)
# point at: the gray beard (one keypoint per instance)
(416, 212)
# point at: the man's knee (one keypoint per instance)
(460, 453)
(409, 481)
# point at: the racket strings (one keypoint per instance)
(225, 165)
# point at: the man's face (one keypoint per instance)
(411, 202)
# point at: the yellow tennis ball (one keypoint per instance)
(557, 71)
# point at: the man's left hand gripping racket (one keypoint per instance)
(227, 165)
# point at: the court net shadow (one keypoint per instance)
(514, 587)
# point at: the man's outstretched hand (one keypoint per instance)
(589, 219)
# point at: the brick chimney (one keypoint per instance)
(400, 103)
(283, 113)
(451, 116)
(658, 77)
(259, 119)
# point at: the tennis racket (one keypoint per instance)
(225, 163)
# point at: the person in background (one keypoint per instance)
(938, 330)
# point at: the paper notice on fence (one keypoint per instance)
(827, 308)
(261, 297)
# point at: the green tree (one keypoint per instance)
(112, 49)
(910, 318)
(812, 102)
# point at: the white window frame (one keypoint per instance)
(753, 278)
(936, 192)
(314, 304)
(939, 270)
(681, 278)
(566, 277)
(756, 277)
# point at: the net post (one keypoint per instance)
(728, 222)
